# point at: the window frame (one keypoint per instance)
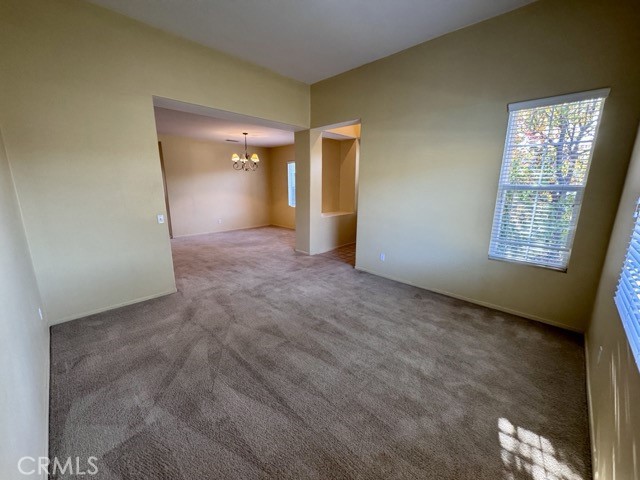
(624, 295)
(504, 187)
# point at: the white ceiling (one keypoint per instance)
(185, 124)
(310, 40)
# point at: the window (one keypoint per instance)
(544, 171)
(627, 296)
(291, 175)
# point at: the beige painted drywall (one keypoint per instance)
(282, 215)
(330, 175)
(76, 107)
(318, 232)
(339, 161)
(352, 131)
(305, 204)
(348, 175)
(614, 380)
(334, 230)
(434, 119)
(206, 194)
(24, 342)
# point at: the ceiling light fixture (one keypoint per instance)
(245, 162)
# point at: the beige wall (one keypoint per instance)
(330, 175)
(334, 230)
(206, 194)
(282, 214)
(305, 172)
(348, 175)
(317, 232)
(433, 126)
(77, 116)
(339, 160)
(614, 381)
(24, 341)
(76, 107)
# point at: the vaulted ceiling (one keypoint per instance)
(310, 40)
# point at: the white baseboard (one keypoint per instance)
(500, 308)
(111, 307)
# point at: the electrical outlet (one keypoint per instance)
(383, 257)
(160, 218)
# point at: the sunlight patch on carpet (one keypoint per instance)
(526, 453)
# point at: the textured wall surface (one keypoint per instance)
(614, 380)
(434, 119)
(282, 214)
(76, 109)
(24, 340)
(206, 194)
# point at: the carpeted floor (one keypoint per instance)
(272, 364)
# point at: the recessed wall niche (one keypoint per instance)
(339, 175)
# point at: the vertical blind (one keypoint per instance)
(627, 296)
(291, 176)
(544, 171)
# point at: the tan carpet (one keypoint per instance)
(272, 364)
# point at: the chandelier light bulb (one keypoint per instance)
(245, 162)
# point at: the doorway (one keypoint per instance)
(224, 172)
(337, 221)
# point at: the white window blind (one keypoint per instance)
(627, 296)
(544, 171)
(291, 174)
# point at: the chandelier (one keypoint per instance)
(245, 162)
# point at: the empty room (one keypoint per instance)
(320, 240)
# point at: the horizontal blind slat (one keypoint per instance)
(627, 296)
(546, 159)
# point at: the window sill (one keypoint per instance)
(527, 264)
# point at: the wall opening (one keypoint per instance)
(204, 193)
(335, 222)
